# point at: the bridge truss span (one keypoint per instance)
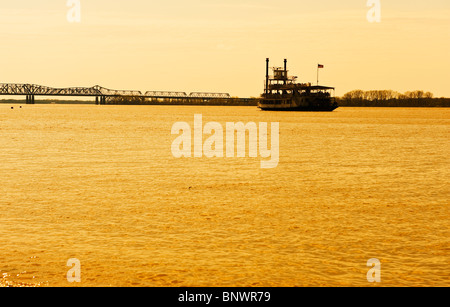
(168, 94)
(210, 95)
(102, 94)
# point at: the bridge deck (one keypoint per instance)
(97, 91)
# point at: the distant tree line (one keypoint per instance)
(389, 98)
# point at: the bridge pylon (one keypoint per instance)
(100, 99)
(29, 99)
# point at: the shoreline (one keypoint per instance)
(250, 102)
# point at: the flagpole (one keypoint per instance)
(319, 66)
(317, 74)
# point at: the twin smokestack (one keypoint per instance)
(267, 72)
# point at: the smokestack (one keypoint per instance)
(285, 70)
(267, 75)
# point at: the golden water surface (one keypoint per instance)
(100, 184)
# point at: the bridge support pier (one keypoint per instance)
(30, 99)
(100, 100)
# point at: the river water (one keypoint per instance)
(100, 184)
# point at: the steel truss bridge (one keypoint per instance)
(104, 96)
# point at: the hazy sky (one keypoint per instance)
(221, 46)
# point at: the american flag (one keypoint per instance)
(320, 66)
